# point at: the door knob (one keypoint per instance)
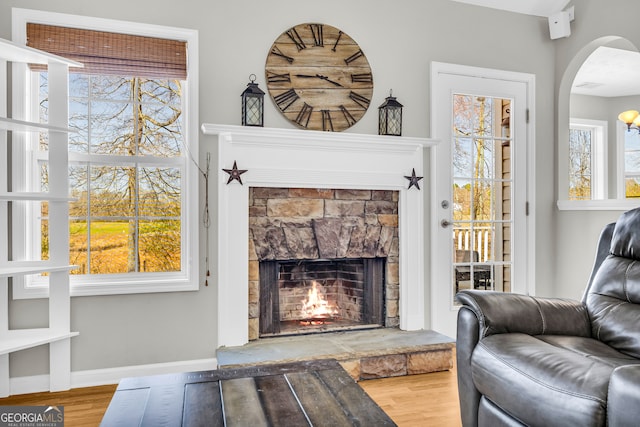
(444, 223)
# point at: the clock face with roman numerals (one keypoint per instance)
(319, 78)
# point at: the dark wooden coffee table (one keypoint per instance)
(315, 393)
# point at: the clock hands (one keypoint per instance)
(319, 76)
(328, 79)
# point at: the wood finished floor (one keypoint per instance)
(427, 400)
(411, 401)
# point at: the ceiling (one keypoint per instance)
(528, 7)
(607, 72)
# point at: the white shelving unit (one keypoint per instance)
(58, 333)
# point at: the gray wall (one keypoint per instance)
(577, 231)
(400, 40)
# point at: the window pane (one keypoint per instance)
(579, 187)
(632, 162)
(580, 160)
(43, 167)
(161, 137)
(632, 140)
(112, 191)
(159, 192)
(78, 189)
(463, 120)
(78, 121)
(44, 230)
(483, 239)
(78, 243)
(483, 116)
(111, 127)
(114, 88)
(44, 211)
(43, 109)
(159, 246)
(166, 92)
(483, 200)
(461, 200)
(43, 98)
(78, 85)
(160, 100)
(110, 247)
(632, 186)
(462, 240)
(484, 159)
(79, 113)
(462, 155)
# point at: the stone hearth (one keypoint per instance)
(378, 353)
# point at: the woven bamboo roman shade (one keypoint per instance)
(112, 53)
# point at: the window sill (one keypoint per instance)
(115, 286)
(598, 205)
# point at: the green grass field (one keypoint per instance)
(159, 246)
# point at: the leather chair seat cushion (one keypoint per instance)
(588, 347)
(541, 379)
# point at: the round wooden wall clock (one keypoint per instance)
(318, 77)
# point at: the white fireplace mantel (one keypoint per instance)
(312, 159)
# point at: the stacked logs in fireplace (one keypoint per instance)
(323, 295)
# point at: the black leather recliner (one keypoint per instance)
(531, 361)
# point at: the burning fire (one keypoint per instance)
(316, 305)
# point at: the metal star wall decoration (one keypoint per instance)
(234, 173)
(413, 179)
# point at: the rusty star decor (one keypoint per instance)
(234, 173)
(413, 179)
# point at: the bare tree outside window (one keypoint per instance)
(580, 160)
(126, 166)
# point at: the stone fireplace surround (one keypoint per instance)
(282, 158)
(298, 224)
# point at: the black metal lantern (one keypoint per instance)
(390, 117)
(252, 104)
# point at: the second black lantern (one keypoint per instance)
(390, 117)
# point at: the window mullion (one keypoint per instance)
(89, 218)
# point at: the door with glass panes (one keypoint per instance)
(480, 234)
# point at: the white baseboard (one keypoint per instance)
(96, 377)
(32, 384)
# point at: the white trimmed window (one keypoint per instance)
(630, 162)
(587, 159)
(134, 219)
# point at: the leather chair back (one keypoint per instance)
(613, 295)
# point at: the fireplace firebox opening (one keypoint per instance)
(314, 296)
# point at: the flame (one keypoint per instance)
(316, 305)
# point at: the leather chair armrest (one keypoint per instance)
(486, 313)
(467, 339)
(623, 402)
(499, 312)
